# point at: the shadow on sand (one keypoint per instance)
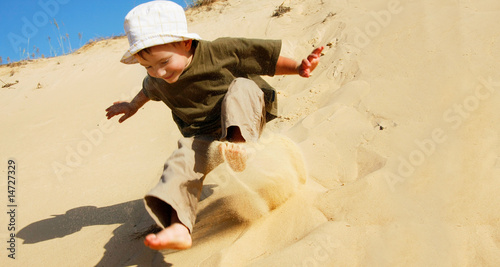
(125, 248)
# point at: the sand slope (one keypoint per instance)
(397, 128)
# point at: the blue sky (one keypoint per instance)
(26, 25)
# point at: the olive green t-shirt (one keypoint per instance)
(196, 98)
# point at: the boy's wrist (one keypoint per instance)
(139, 100)
(133, 105)
(286, 66)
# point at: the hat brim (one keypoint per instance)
(150, 41)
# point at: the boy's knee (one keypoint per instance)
(241, 80)
(247, 86)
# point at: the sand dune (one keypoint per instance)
(396, 130)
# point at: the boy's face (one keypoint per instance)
(166, 61)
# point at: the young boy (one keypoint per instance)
(214, 92)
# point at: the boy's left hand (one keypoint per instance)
(310, 63)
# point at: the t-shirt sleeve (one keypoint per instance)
(149, 88)
(252, 56)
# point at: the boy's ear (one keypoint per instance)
(187, 44)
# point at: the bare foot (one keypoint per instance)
(235, 155)
(176, 236)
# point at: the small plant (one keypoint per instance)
(200, 3)
(69, 42)
(60, 39)
(80, 36)
(7, 85)
(52, 50)
(280, 10)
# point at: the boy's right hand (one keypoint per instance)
(120, 107)
(309, 64)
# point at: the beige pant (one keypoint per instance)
(181, 182)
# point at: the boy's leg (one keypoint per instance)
(243, 111)
(172, 202)
(243, 118)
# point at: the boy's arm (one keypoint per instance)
(139, 100)
(126, 108)
(286, 65)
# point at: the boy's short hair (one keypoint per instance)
(147, 50)
(141, 52)
(154, 23)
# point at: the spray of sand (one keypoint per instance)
(273, 172)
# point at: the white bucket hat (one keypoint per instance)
(154, 23)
